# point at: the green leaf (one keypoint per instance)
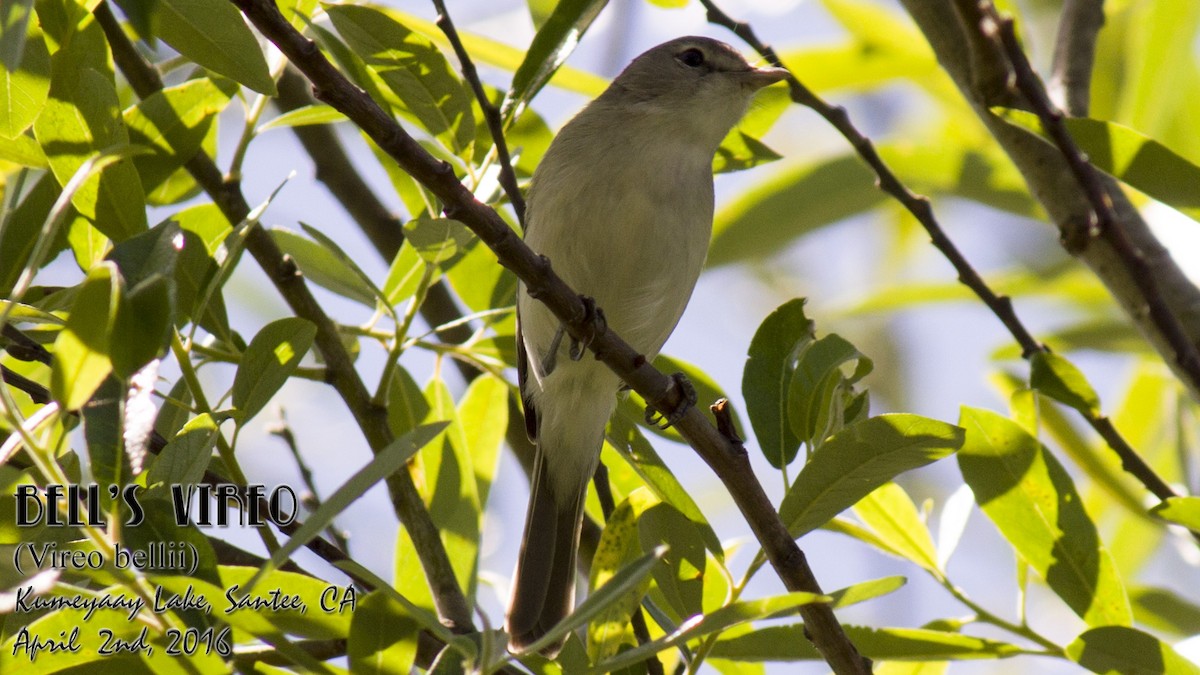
(1183, 511)
(384, 462)
(317, 113)
(404, 274)
(23, 89)
(859, 459)
(1033, 502)
(891, 514)
(681, 576)
(787, 643)
(81, 351)
(1165, 610)
(439, 241)
(413, 68)
(407, 406)
(1131, 157)
(24, 150)
(629, 577)
(1120, 649)
(160, 526)
(173, 123)
(215, 36)
(628, 440)
(551, 46)
(767, 375)
(483, 414)
(14, 31)
(865, 590)
(820, 396)
(22, 230)
(186, 457)
(715, 622)
(80, 119)
(1058, 378)
(323, 266)
(315, 623)
(271, 357)
(484, 50)
(620, 545)
(792, 202)
(383, 639)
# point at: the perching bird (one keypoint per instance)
(622, 205)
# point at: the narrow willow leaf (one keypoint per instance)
(317, 113)
(23, 89)
(551, 46)
(270, 358)
(1058, 378)
(413, 68)
(80, 119)
(323, 266)
(699, 626)
(628, 578)
(633, 447)
(1120, 649)
(1131, 157)
(819, 391)
(1183, 511)
(215, 36)
(81, 351)
(1165, 610)
(384, 462)
(681, 576)
(767, 375)
(955, 514)
(439, 241)
(892, 515)
(787, 643)
(186, 457)
(859, 459)
(383, 639)
(315, 624)
(173, 122)
(865, 590)
(483, 414)
(1032, 501)
(619, 546)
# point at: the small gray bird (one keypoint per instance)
(622, 205)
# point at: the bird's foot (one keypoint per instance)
(655, 417)
(550, 358)
(593, 315)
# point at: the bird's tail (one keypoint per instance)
(544, 582)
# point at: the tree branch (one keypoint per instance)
(728, 461)
(919, 207)
(1074, 55)
(508, 177)
(281, 270)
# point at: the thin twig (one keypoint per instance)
(282, 430)
(410, 508)
(508, 177)
(729, 462)
(919, 207)
(1107, 224)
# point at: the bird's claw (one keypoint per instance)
(657, 418)
(591, 314)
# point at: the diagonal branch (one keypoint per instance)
(281, 270)
(919, 207)
(728, 460)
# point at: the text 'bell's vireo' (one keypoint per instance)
(622, 205)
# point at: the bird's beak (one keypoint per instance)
(761, 77)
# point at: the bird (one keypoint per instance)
(621, 205)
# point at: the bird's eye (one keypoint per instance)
(692, 58)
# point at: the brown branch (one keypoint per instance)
(36, 392)
(281, 270)
(1107, 225)
(1074, 55)
(728, 461)
(508, 177)
(920, 208)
